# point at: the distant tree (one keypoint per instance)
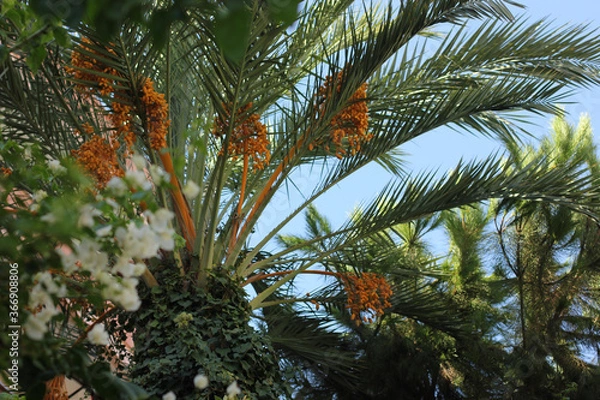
(548, 259)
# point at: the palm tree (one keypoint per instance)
(548, 260)
(529, 277)
(342, 88)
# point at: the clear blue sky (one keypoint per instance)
(443, 148)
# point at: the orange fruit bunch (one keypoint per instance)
(99, 158)
(98, 155)
(157, 112)
(368, 295)
(249, 136)
(350, 124)
(83, 61)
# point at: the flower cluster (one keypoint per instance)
(42, 304)
(350, 124)
(109, 259)
(248, 137)
(368, 295)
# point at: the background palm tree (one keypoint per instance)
(548, 259)
(341, 89)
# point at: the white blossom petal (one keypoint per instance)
(191, 190)
(201, 381)
(233, 389)
(55, 167)
(98, 335)
(116, 186)
(169, 396)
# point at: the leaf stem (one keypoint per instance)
(181, 208)
(238, 214)
(260, 277)
(263, 194)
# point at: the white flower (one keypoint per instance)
(111, 288)
(39, 195)
(37, 325)
(123, 266)
(104, 231)
(35, 328)
(55, 167)
(127, 268)
(86, 216)
(139, 161)
(233, 389)
(117, 186)
(159, 221)
(138, 180)
(69, 261)
(159, 175)
(92, 259)
(128, 298)
(137, 241)
(201, 381)
(191, 190)
(49, 283)
(120, 291)
(97, 335)
(46, 313)
(34, 207)
(38, 296)
(169, 396)
(166, 241)
(138, 269)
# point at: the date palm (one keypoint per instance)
(548, 257)
(343, 87)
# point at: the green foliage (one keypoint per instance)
(183, 331)
(41, 21)
(21, 30)
(8, 396)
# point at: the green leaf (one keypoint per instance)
(160, 22)
(110, 387)
(36, 57)
(231, 29)
(4, 52)
(285, 11)
(62, 37)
